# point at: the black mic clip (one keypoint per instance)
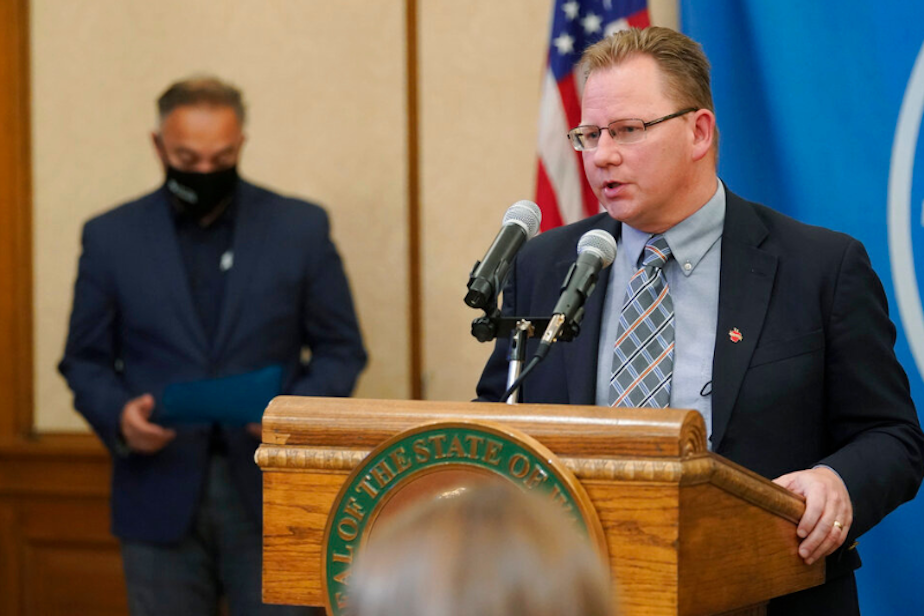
(490, 326)
(484, 329)
(481, 290)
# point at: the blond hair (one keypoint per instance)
(492, 551)
(681, 60)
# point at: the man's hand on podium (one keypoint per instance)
(828, 510)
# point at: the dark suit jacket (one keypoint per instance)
(134, 329)
(813, 381)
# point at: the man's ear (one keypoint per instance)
(159, 148)
(703, 133)
(240, 146)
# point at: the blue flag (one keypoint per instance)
(819, 105)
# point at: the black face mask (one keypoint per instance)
(198, 194)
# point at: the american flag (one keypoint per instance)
(562, 191)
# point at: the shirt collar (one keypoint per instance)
(690, 239)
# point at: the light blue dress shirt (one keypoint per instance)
(693, 279)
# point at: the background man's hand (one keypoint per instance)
(255, 430)
(140, 434)
(828, 511)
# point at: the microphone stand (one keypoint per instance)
(492, 325)
(517, 355)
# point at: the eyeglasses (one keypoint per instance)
(585, 138)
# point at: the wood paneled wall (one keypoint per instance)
(56, 553)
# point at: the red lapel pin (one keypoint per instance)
(734, 335)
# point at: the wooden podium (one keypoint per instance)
(687, 532)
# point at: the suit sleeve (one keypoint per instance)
(330, 327)
(877, 440)
(91, 350)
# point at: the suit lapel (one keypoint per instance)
(580, 355)
(250, 230)
(170, 273)
(745, 285)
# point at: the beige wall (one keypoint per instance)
(481, 67)
(325, 83)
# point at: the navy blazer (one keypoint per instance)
(134, 329)
(814, 380)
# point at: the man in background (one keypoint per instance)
(189, 303)
(775, 331)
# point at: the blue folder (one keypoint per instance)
(231, 400)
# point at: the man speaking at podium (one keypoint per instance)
(776, 331)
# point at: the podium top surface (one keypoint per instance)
(567, 430)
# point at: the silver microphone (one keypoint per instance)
(521, 223)
(596, 250)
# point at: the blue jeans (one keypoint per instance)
(220, 559)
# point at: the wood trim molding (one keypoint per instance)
(415, 293)
(701, 468)
(15, 223)
(282, 458)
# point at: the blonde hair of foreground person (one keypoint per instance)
(489, 551)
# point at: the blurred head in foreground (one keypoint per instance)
(489, 551)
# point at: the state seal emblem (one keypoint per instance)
(438, 460)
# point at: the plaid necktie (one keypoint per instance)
(643, 355)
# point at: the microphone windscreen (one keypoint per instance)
(600, 243)
(526, 214)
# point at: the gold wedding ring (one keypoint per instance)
(838, 525)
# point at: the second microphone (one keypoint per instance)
(596, 250)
